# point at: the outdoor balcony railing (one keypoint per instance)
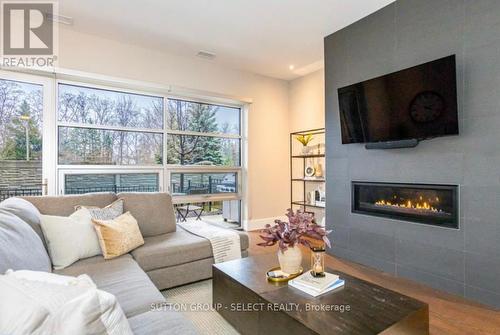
(28, 191)
(192, 188)
(19, 192)
(115, 189)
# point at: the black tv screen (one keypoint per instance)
(416, 103)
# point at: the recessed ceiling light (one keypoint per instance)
(291, 67)
(206, 54)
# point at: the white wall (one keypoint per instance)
(306, 102)
(267, 118)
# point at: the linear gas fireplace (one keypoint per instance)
(422, 203)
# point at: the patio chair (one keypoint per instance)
(183, 210)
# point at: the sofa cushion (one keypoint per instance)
(118, 236)
(109, 212)
(161, 322)
(70, 238)
(171, 249)
(176, 248)
(182, 274)
(20, 247)
(154, 212)
(121, 277)
(26, 211)
(35, 302)
(65, 205)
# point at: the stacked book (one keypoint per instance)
(316, 286)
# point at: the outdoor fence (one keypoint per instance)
(27, 191)
(115, 189)
(210, 187)
(19, 192)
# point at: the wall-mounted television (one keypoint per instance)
(413, 104)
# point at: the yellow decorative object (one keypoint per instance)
(304, 139)
(118, 236)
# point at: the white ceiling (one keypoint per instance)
(260, 36)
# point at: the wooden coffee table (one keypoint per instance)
(244, 297)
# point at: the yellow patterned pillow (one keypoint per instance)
(118, 236)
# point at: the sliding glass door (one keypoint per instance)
(25, 136)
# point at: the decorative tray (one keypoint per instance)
(275, 275)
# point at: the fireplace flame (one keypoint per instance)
(419, 205)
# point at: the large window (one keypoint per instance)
(100, 138)
(106, 136)
(118, 131)
(104, 127)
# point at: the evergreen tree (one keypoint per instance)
(228, 148)
(187, 149)
(15, 143)
(202, 119)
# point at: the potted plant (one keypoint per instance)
(305, 140)
(299, 229)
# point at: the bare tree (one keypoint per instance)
(10, 97)
(181, 146)
(101, 108)
(126, 116)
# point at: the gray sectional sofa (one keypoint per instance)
(171, 256)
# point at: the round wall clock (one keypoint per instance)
(426, 107)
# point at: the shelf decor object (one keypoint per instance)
(307, 185)
(304, 139)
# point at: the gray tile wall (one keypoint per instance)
(406, 33)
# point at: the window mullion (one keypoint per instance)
(196, 133)
(105, 127)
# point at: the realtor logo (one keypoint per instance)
(27, 29)
(29, 34)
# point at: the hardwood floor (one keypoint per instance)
(449, 314)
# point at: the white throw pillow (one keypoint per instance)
(42, 305)
(70, 238)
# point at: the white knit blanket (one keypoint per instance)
(225, 242)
